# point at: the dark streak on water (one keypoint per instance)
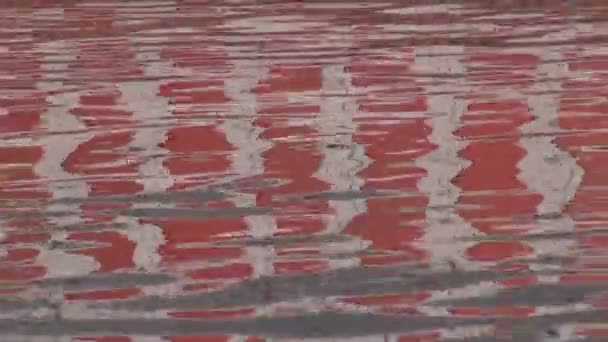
(206, 170)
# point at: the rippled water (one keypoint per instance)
(205, 171)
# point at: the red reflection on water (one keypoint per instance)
(293, 157)
(184, 231)
(429, 337)
(103, 160)
(391, 304)
(199, 153)
(110, 59)
(213, 314)
(493, 197)
(21, 105)
(392, 127)
(115, 251)
(496, 251)
(113, 294)
(583, 108)
(505, 311)
(390, 224)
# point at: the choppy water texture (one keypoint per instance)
(205, 171)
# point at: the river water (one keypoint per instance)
(343, 170)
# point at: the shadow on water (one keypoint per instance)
(185, 170)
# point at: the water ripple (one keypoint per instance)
(269, 170)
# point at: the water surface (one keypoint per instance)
(205, 171)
